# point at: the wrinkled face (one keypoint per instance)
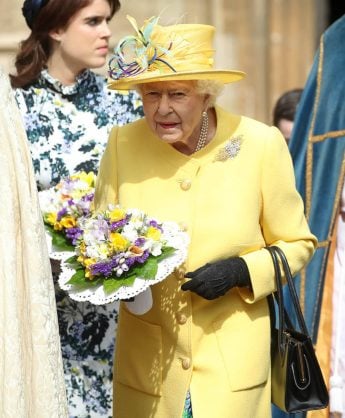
(173, 110)
(84, 42)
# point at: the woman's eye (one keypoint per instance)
(151, 94)
(178, 95)
(94, 21)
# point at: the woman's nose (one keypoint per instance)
(164, 105)
(106, 32)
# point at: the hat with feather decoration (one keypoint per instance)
(166, 53)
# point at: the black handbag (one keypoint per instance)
(297, 381)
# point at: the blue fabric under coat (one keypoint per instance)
(318, 151)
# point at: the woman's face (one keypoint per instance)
(173, 110)
(84, 42)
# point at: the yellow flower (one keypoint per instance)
(117, 214)
(88, 273)
(88, 178)
(58, 226)
(75, 195)
(87, 263)
(118, 242)
(50, 218)
(153, 233)
(68, 222)
(103, 250)
(82, 247)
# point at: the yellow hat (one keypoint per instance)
(166, 53)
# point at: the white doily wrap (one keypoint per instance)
(173, 236)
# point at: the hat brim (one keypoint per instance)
(130, 83)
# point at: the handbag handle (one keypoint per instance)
(277, 255)
(292, 290)
(278, 297)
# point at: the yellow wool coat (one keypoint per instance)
(218, 349)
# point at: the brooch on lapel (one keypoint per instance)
(230, 150)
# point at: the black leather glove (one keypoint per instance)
(215, 279)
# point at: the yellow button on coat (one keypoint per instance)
(185, 184)
(179, 273)
(186, 363)
(181, 318)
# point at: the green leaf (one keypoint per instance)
(111, 285)
(79, 280)
(72, 260)
(166, 252)
(148, 270)
(73, 263)
(49, 228)
(60, 242)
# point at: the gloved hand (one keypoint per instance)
(215, 279)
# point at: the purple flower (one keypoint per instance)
(142, 258)
(88, 197)
(74, 234)
(119, 224)
(104, 268)
(84, 204)
(155, 224)
(61, 213)
(139, 241)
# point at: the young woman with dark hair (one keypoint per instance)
(68, 112)
(43, 19)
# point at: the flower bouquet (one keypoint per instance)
(119, 254)
(62, 206)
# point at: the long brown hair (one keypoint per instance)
(34, 51)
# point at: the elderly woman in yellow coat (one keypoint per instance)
(203, 349)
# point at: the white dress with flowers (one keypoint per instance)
(68, 128)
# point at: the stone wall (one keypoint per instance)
(273, 41)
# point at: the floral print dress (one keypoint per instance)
(67, 128)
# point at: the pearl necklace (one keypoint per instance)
(203, 132)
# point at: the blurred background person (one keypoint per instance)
(68, 112)
(318, 151)
(31, 372)
(284, 111)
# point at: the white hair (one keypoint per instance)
(212, 88)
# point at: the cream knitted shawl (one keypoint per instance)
(31, 373)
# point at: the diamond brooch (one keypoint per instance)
(230, 150)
